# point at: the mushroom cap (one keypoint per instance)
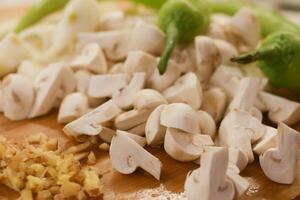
(187, 89)
(112, 20)
(280, 164)
(138, 130)
(180, 116)
(126, 155)
(207, 123)
(131, 119)
(148, 99)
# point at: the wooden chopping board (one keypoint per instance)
(118, 186)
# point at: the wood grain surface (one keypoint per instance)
(118, 186)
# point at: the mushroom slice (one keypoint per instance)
(51, 85)
(73, 106)
(280, 164)
(214, 102)
(139, 61)
(90, 58)
(207, 124)
(281, 109)
(227, 51)
(138, 130)
(147, 38)
(180, 116)
(240, 183)
(107, 134)
(255, 112)
(98, 85)
(239, 129)
(162, 82)
(117, 68)
(113, 20)
(126, 156)
(245, 96)
(184, 146)
(18, 96)
(138, 139)
(124, 98)
(267, 141)
(155, 132)
(115, 44)
(148, 99)
(227, 78)
(82, 81)
(186, 89)
(238, 158)
(131, 119)
(29, 69)
(90, 123)
(185, 58)
(209, 181)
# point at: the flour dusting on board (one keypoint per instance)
(159, 193)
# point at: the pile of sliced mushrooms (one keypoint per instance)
(100, 70)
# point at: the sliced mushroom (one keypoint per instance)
(207, 124)
(209, 181)
(155, 132)
(239, 129)
(185, 58)
(12, 52)
(107, 134)
(98, 85)
(281, 109)
(238, 158)
(214, 102)
(91, 123)
(138, 139)
(29, 69)
(126, 156)
(138, 130)
(162, 82)
(131, 119)
(90, 58)
(240, 183)
(147, 38)
(280, 164)
(73, 106)
(18, 96)
(124, 98)
(113, 20)
(245, 96)
(180, 116)
(186, 89)
(227, 78)
(115, 44)
(148, 99)
(184, 146)
(227, 51)
(267, 141)
(51, 85)
(82, 80)
(117, 68)
(139, 61)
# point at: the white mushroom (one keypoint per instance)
(82, 80)
(138, 130)
(186, 89)
(281, 109)
(147, 38)
(267, 141)
(238, 158)
(117, 68)
(139, 61)
(18, 96)
(107, 134)
(13, 51)
(180, 116)
(239, 129)
(73, 106)
(113, 20)
(138, 139)
(209, 181)
(162, 82)
(126, 156)
(280, 164)
(154, 131)
(240, 183)
(98, 84)
(90, 58)
(214, 102)
(51, 85)
(185, 58)
(184, 146)
(91, 123)
(131, 119)
(29, 69)
(115, 44)
(148, 99)
(227, 51)
(227, 78)
(124, 97)
(207, 124)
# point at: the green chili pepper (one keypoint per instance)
(279, 58)
(38, 11)
(155, 4)
(181, 20)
